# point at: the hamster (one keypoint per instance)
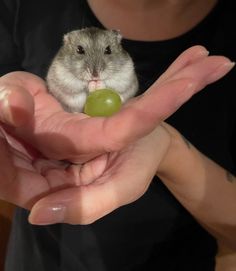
(89, 59)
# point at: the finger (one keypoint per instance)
(136, 119)
(24, 188)
(59, 173)
(142, 115)
(120, 184)
(28, 81)
(86, 204)
(209, 69)
(191, 55)
(27, 87)
(16, 105)
(89, 172)
(76, 207)
(19, 184)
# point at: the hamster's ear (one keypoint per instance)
(66, 38)
(118, 35)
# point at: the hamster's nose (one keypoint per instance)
(95, 73)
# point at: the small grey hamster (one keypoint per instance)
(89, 59)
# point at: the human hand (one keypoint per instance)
(60, 135)
(103, 184)
(75, 137)
(78, 194)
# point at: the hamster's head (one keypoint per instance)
(93, 53)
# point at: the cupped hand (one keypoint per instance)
(78, 194)
(111, 151)
(103, 184)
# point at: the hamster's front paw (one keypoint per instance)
(95, 84)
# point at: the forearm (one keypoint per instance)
(204, 188)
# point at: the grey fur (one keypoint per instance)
(71, 72)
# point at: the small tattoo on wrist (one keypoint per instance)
(230, 177)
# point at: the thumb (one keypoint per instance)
(16, 105)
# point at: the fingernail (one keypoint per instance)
(42, 215)
(5, 114)
(220, 71)
(202, 53)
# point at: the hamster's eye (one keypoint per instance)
(107, 50)
(80, 50)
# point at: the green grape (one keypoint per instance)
(102, 103)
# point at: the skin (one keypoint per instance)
(173, 18)
(102, 162)
(81, 194)
(138, 19)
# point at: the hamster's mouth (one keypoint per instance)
(95, 84)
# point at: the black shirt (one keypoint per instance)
(155, 232)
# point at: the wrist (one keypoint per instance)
(181, 162)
